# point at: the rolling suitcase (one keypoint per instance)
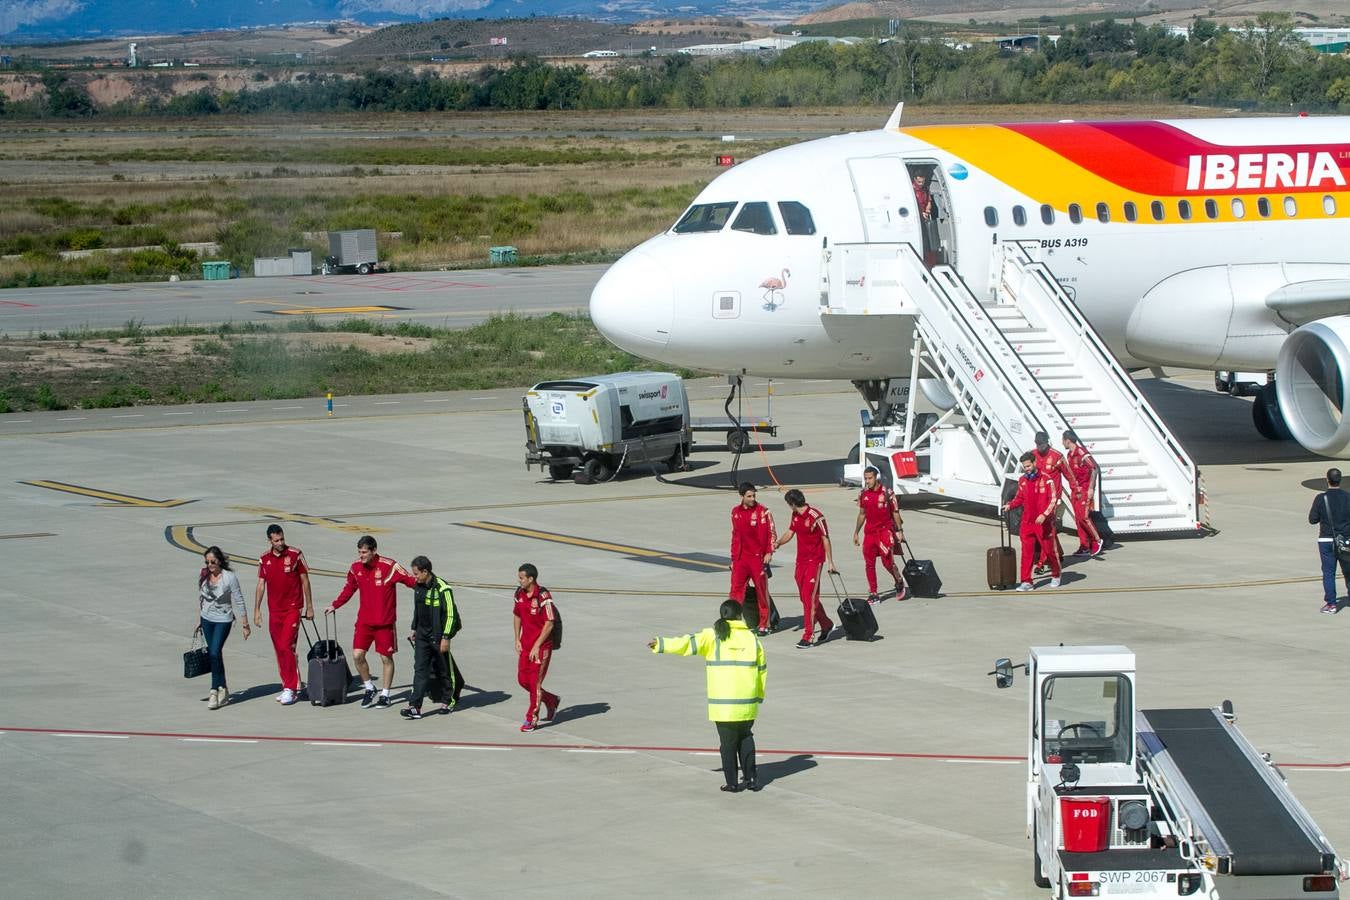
(1001, 562)
(855, 613)
(329, 676)
(1098, 519)
(920, 574)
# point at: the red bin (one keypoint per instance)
(906, 463)
(1086, 822)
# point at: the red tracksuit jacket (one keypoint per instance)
(1037, 496)
(752, 532)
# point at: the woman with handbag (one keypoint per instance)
(222, 601)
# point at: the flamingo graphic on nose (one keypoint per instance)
(773, 290)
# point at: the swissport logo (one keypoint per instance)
(1220, 171)
(652, 395)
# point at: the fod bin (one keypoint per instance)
(215, 270)
(1086, 822)
(590, 428)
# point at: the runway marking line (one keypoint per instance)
(329, 522)
(330, 310)
(592, 544)
(114, 498)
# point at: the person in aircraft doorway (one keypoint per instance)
(923, 198)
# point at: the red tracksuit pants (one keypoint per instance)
(1040, 544)
(880, 545)
(808, 575)
(1082, 511)
(284, 626)
(531, 678)
(751, 568)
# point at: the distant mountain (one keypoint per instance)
(30, 21)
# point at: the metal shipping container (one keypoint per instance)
(353, 248)
(271, 266)
(302, 262)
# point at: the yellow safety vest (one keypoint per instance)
(735, 669)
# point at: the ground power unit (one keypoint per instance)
(590, 428)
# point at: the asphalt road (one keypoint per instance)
(453, 299)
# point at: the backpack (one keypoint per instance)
(556, 635)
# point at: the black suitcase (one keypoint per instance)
(1001, 563)
(1098, 519)
(855, 613)
(329, 676)
(920, 575)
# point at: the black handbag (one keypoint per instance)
(1339, 539)
(196, 660)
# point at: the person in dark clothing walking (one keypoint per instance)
(1331, 514)
(434, 622)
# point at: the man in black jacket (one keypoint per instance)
(435, 621)
(1331, 514)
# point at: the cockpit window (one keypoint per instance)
(705, 217)
(796, 217)
(754, 218)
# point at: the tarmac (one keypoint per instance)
(892, 769)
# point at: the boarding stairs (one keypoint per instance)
(1020, 361)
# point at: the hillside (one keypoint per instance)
(1231, 12)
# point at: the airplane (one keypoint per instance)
(1209, 243)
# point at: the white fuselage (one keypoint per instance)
(739, 301)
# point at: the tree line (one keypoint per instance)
(1262, 65)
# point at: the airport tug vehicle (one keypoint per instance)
(1155, 803)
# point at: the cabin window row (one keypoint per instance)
(1157, 211)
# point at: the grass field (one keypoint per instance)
(134, 366)
(441, 188)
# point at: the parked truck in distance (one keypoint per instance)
(351, 251)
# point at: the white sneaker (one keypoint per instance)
(1024, 586)
(214, 701)
(287, 697)
(1054, 582)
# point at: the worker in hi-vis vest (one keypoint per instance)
(735, 670)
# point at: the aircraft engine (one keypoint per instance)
(1312, 381)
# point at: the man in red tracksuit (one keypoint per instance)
(535, 618)
(813, 554)
(1083, 482)
(881, 526)
(752, 541)
(377, 578)
(1038, 496)
(284, 577)
(1053, 467)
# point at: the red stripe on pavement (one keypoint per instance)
(510, 745)
(522, 745)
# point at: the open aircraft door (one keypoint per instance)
(886, 201)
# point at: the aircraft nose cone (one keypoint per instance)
(633, 304)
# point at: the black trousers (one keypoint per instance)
(435, 674)
(737, 745)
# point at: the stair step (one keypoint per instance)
(1027, 330)
(1140, 484)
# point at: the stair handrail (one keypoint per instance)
(1083, 329)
